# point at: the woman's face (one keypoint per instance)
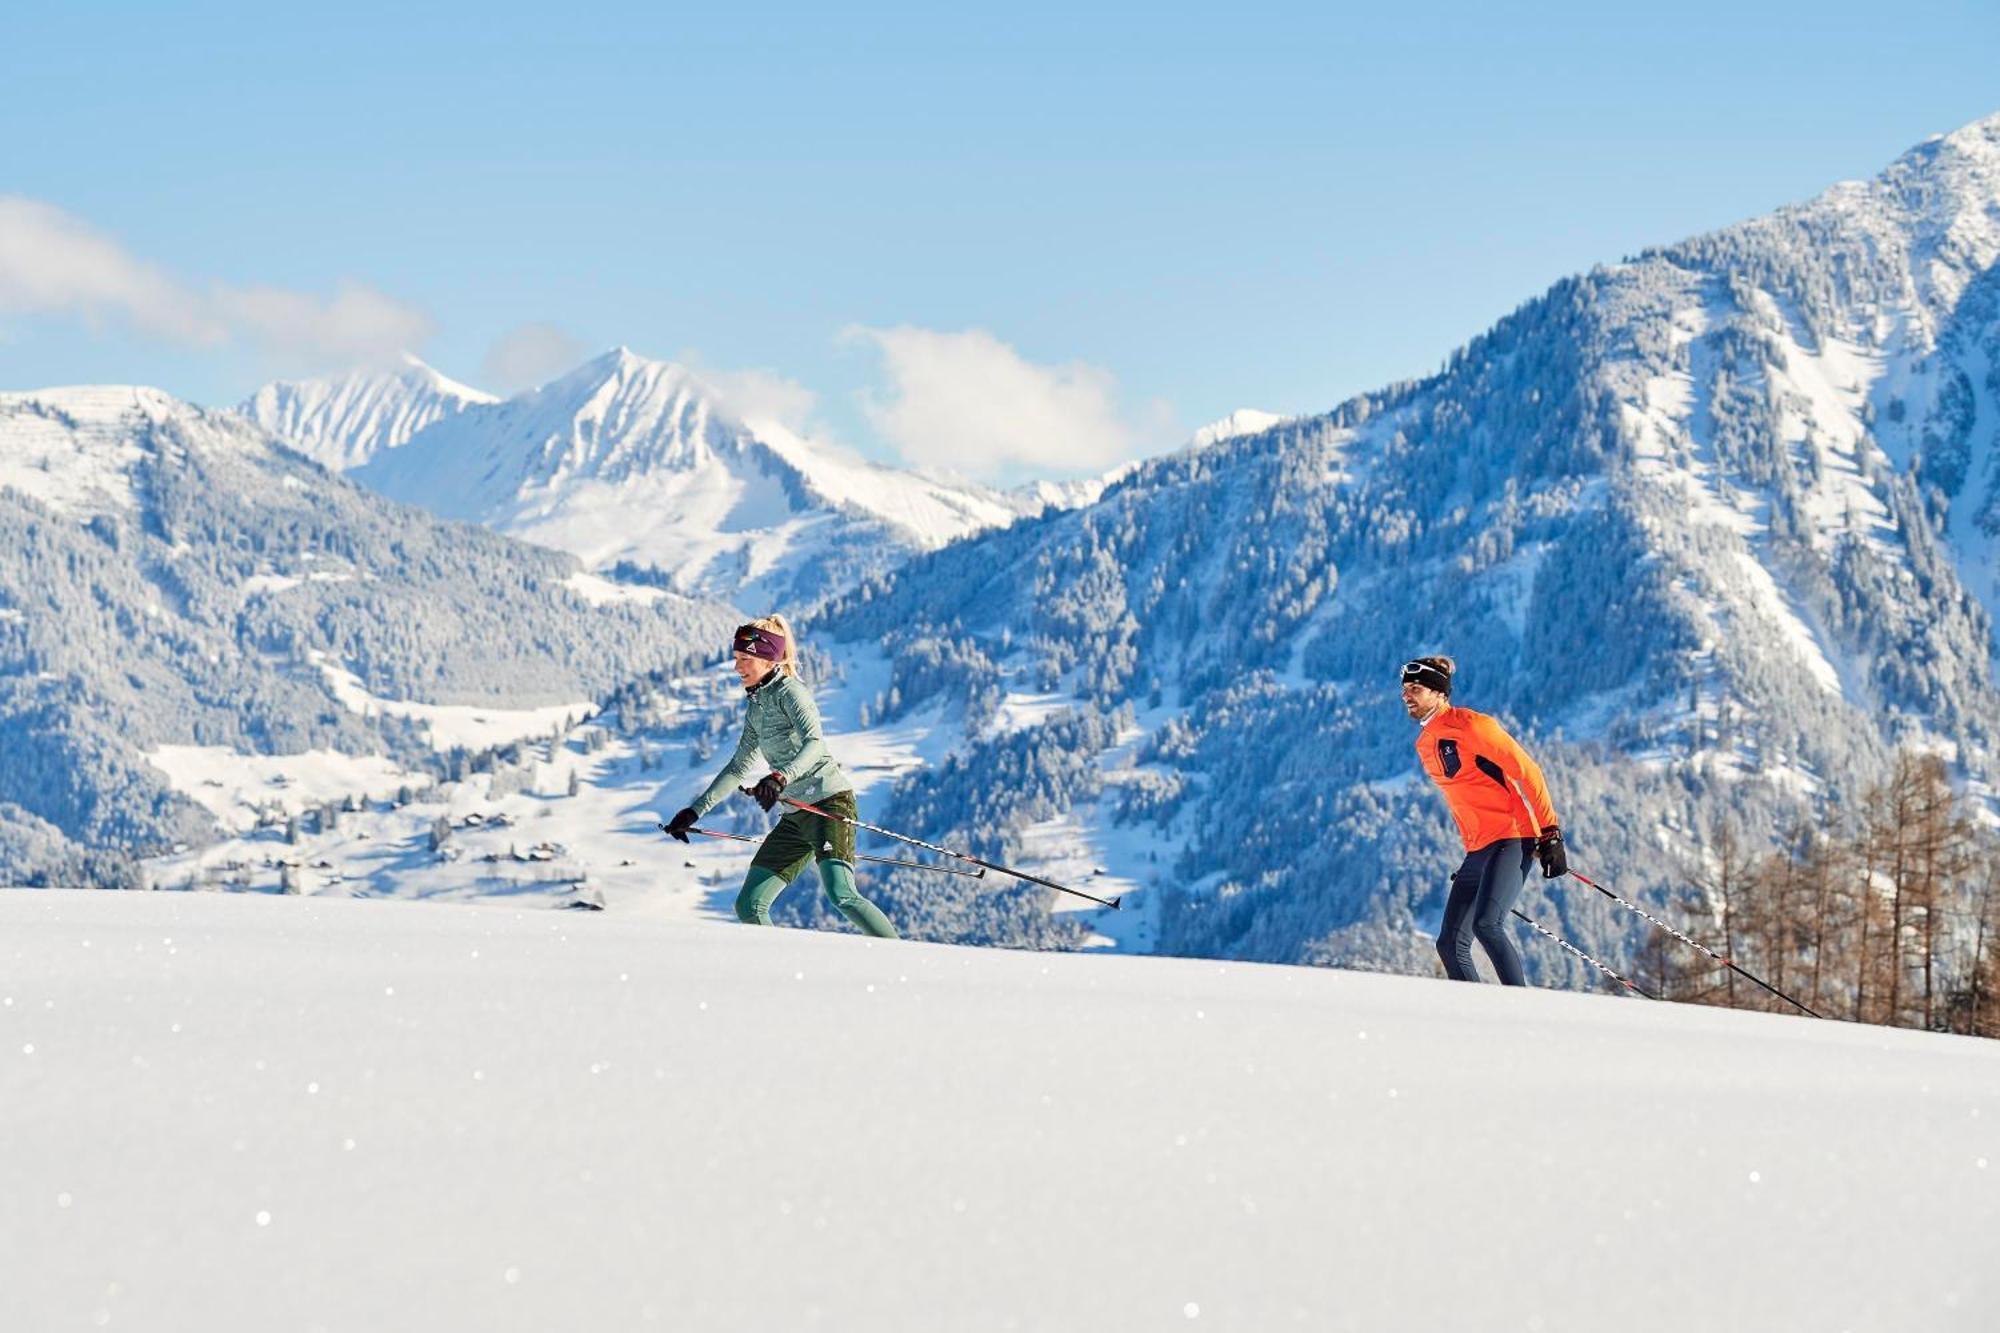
(750, 669)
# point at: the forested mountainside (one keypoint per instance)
(1708, 528)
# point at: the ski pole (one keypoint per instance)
(1562, 943)
(946, 851)
(859, 856)
(1699, 948)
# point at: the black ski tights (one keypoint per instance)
(1482, 893)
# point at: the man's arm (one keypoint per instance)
(1523, 773)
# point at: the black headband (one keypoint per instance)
(1426, 675)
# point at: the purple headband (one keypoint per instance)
(755, 642)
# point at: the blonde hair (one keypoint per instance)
(789, 664)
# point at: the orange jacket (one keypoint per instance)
(1494, 789)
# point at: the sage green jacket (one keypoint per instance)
(783, 727)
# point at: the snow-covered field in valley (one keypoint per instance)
(243, 1111)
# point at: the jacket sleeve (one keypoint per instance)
(1521, 770)
(731, 777)
(803, 714)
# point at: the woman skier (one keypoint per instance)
(1504, 814)
(783, 728)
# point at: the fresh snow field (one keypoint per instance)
(246, 1111)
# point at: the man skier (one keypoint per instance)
(1504, 815)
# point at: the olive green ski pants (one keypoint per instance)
(802, 836)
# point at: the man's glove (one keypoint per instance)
(1549, 851)
(682, 822)
(767, 789)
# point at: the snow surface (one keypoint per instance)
(247, 1112)
(603, 592)
(1243, 421)
(450, 725)
(236, 787)
(73, 449)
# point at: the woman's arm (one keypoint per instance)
(740, 766)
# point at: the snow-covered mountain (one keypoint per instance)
(1713, 529)
(634, 465)
(1243, 421)
(180, 597)
(343, 421)
(630, 462)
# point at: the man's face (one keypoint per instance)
(750, 669)
(1420, 701)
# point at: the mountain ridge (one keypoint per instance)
(631, 462)
(342, 422)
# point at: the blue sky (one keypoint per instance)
(1143, 217)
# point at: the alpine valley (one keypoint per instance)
(1714, 530)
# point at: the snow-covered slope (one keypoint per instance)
(1243, 421)
(1886, 345)
(630, 461)
(171, 578)
(234, 1112)
(343, 421)
(74, 450)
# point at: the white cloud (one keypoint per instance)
(53, 264)
(970, 403)
(357, 325)
(529, 356)
(757, 395)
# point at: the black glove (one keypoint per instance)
(767, 789)
(1549, 851)
(682, 822)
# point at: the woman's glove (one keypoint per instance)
(767, 789)
(1549, 851)
(680, 824)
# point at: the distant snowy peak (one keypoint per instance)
(623, 416)
(631, 460)
(1243, 421)
(607, 427)
(344, 421)
(1040, 497)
